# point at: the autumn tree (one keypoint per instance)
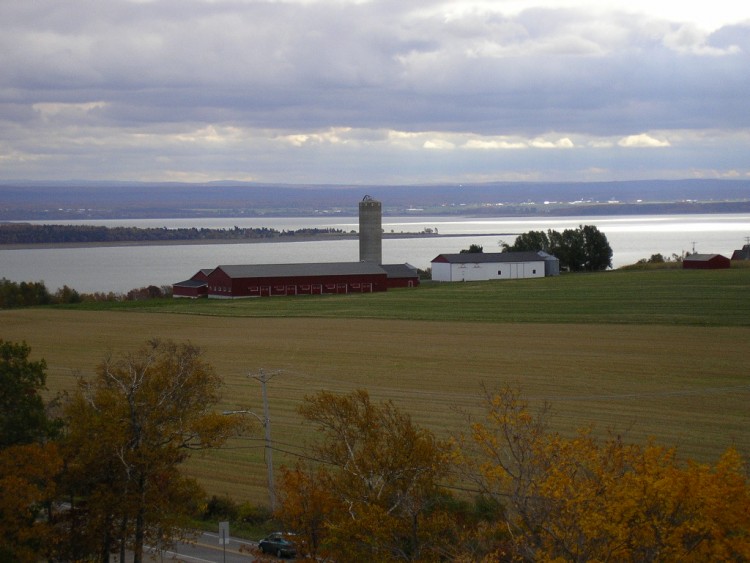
(374, 496)
(28, 475)
(29, 463)
(588, 499)
(129, 429)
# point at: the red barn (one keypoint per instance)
(195, 287)
(705, 262)
(265, 280)
(401, 275)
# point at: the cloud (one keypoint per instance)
(438, 144)
(494, 144)
(642, 141)
(309, 89)
(564, 143)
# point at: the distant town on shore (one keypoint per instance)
(64, 201)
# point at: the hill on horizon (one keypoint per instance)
(30, 200)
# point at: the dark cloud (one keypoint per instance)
(104, 73)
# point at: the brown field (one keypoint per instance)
(683, 385)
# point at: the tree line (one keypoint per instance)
(24, 233)
(585, 249)
(29, 294)
(97, 473)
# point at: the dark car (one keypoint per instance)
(278, 544)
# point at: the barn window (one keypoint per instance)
(499, 272)
(533, 271)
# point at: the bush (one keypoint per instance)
(220, 508)
(253, 514)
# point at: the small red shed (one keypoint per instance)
(401, 275)
(705, 262)
(195, 287)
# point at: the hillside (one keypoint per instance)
(108, 200)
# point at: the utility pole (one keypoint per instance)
(264, 378)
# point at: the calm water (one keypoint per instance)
(120, 269)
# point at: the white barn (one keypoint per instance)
(480, 266)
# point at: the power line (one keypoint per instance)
(264, 378)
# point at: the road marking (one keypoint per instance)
(231, 539)
(183, 556)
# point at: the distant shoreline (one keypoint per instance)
(194, 242)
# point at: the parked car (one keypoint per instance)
(278, 544)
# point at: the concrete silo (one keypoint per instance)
(370, 231)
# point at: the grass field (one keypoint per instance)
(648, 353)
(666, 296)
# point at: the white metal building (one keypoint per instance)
(482, 266)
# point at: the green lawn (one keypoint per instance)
(665, 296)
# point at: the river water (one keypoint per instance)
(120, 269)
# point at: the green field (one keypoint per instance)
(665, 296)
(647, 353)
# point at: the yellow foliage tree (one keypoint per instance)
(374, 496)
(583, 499)
(27, 483)
(129, 429)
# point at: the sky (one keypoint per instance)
(363, 92)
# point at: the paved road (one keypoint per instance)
(206, 549)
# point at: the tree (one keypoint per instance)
(583, 499)
(23, 414)
(596, 249)
(25, 294)
(581, 249)
(29, 464)
(532, 241)
(129, 429)
(28, 475)
(375, 496)
(473, 249)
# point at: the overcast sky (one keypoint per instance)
(380, 91)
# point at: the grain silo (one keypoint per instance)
(370, 231)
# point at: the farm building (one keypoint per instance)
(197, 286)
(705, 262)
(742, 254)
(266, 280)
(482, 266)
(401, 275)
